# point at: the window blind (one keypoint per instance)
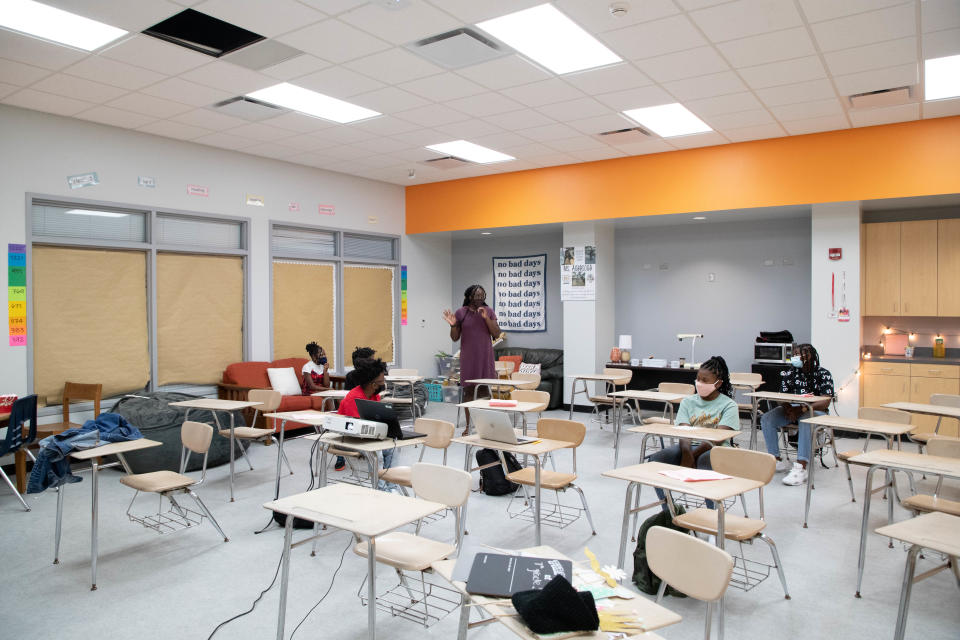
(368, 247)
(304, 308)
(368, 309)
(289, 242)
(199, 232)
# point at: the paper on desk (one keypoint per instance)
(694, 475)
(503, 403)
(685, 427)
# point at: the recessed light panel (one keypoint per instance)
(203, 33)
(668, 120)
(470, 152)
(942, 78)
(42, 21)
(312, 103)
(550, 38)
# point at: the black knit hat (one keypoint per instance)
(557, 607)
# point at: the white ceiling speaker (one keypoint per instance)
(619, 9)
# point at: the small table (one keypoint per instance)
(329, 396)
(938, 532)
(367, 447)
(648, 613)
(940, 411)
(93, 454)
(410, 381)
(213, 405)
(630, 394)
(887, 430)
(522, 408)
(757, 396)
(489, 383)
(606, 378)
(536, 449)
(893, 460)
(364, 512)
(702, 434)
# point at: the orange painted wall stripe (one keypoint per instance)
(898, 160)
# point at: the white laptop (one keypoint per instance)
(496, 426)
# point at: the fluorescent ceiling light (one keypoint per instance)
(312, 103)
(42, 21)
(550, 38)
(941, 78)
(667, 120)
(699, 217)
(485, 233)
(102, 214)
(470, 152)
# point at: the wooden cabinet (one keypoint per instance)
(918, 268)
(878, 390)
(948, 268)
(882, 269)
(884, 382)
(920, 391)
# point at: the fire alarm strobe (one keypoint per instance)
(836, 253)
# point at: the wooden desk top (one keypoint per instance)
(496, 382)
(484, 403)
(309, 416)
(881, 427)
(363, 444)
(113, 448)
(654, 396)
(596, 376)
(214, 404)
(787, 397)
(648, 473)
(936, 531)
(910, 461)
(927, 409)
(331, 393)
(360, 510)
(704, 434)
(403, 378)
(739, 383)
(537, 448)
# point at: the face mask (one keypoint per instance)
(379, 389)
(705, 389)
(796, 361)
(323, 359)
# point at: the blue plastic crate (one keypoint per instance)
(434, 392)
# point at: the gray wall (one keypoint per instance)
(654, 305)
(473, 263)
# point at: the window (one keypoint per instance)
(369, 309)
(304, 308)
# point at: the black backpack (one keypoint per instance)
(493, 482)
(645, 579)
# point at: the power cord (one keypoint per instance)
(252, 606)
(327, 592)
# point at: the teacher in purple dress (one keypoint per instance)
(475, 325)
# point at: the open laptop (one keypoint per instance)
(379, 412)
(496, 425)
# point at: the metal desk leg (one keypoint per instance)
(905, 590)
(753, 422)
(94, 550)
(59, 527)
(573, 393)
(631, 490)
(232, 445)
(811, 466)
(721, 542)
(863, 527)
(276, 486)
(617, 418)
(373, 460)
(372, 589)
(464, 617)
(284, 575)
(536, 480)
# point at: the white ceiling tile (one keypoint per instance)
(941, 108)
(600, 124)
(905, 75)
(872, 56)
(156, 55)
(574, 109)
(432, 114)
(755, 133)
(865, 28)
(800, 92)
(79, 88)
(649, 39)
(593, 155)
(468, 129)
(941, 44)
(644, 147)
(333, 7)
(820, 10)
(768, 47)
(543, 92)
(746, 18)
(553, 159)
(683, 64)
(596, 17)
(381, 145)
(414, 154)
(636, 98)
(577, 143)
(485, 104)
(716, 84)
(295, 67)
(529, 150)
(114, 117)
(20, 74)
(208, 119)
(739, 120)
(170, 129)
(385, 126)
(471, 11)
(549, 132)
(937, 15)
(389, 100)
(48, 102)
(307, 142)
(786, 72)
(197, 95)
(39, 53)
(422, 137)
(229, 77)
(343, 134)
(413, 21)
(7, 89)
(133, 16)
(508, 71)
(271, 150)
(118, 74)
(149, 105)
(884, 115)
(503, 140)
(806, 110)
(709, 139)
(394, 66)
(524, 119)
(607, 79)
(269, 19)
(333, 40)
(300, 122)
(259, 132)
(693, 5)
(443, 87)
(338, 82)
(816, 125)
(724, 104)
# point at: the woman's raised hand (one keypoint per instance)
(450, 317)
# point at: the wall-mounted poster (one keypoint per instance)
(520, 292)
(578, 273)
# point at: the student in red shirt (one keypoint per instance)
(368, 373)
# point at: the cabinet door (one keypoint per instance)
(878, 390)
(948, 269)
(918, 268)
(920, 391)
(882, 269)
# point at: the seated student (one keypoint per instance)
(316, 377)
(358, 354)
(370, 382)
(806, 376)
(713, 407)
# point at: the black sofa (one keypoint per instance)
(551, 369)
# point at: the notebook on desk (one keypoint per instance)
(501, 576)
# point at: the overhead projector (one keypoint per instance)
(356, 427)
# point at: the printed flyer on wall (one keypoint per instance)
(578, 273)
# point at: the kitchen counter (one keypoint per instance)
(913, 360)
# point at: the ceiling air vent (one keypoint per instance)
(458, 48)
(446, 162)
(625, 136)
(203, 33)
(881, 98)
(248, 108)
(263, 54)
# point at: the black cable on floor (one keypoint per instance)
(332, 579)
(252, 606)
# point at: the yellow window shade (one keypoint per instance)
(304, 308)
(199, 317)
(368, 309)
(89, 320)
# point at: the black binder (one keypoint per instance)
(498, 575)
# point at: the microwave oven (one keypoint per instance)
(772, 351)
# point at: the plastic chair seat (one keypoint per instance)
(657, 420)
(921, 437)
(704, 520)
(548, 479)
(846, 455)
(246, 433)
(341, 452)
(394, 400)
(398, 475)
(406, 551)
(157, 481)
(53, 428)
(927, 504)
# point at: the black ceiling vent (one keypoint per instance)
(624, 136)
(446, 162)
(203, 33)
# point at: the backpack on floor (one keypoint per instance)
(493, 482)
(645, 579)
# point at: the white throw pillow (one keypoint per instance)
(285, 381)
(528, 367)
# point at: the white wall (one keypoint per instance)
(428, 259)
(41, 150)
